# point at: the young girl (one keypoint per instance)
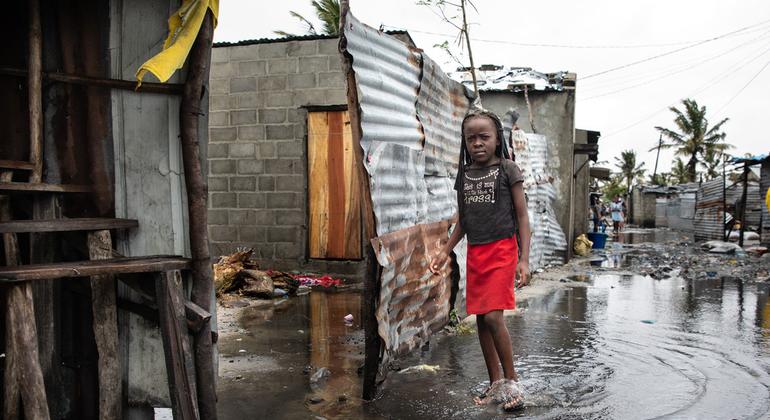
(492, 208)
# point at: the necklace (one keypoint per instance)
(491, 174)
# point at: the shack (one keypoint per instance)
(647, 206)
(106, 283)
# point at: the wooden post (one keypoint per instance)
(103, 306)
(11, 384)
(197, 195)
(180, 367)
(35, 91)
(743, 202)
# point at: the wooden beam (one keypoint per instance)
(197, 317)
(66, 225)
(147, 87)
(35, 91)
(11, 395)
(22, 187)
(93, 268)
(18, 165)
(105, 314)
(202, 288)
(180, 366)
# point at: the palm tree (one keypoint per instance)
(679, 172)
(327, 11)
(660, 178)
(628, 167)
(712, 160)
(614, 187)
(694, 139)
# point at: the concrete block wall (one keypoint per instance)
(257, 146)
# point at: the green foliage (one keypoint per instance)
(694, 139)
(628, 167)
(660, 179)
(327, 11)
(615, 186)
(679, 173)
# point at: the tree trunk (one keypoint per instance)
(691, 168)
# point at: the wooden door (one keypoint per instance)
(333, 187)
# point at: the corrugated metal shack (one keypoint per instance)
(645, 208)
(93, 179)
(717, 205)
(680, 210)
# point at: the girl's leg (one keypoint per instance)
(491, 359)
(495, 324)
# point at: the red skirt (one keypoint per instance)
(491, 274)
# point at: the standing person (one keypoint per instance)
(492, 208)
(596, 211)
(616, 208)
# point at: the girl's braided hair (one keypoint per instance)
(501, 151)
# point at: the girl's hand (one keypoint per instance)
(522, 274)
(439, 261)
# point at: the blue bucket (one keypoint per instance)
(599, 239)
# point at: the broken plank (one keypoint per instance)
(180, 366)
(66, 225)
(23, 187)
(93, 268)
(197, 317)
(17, 165)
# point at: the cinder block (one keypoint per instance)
(265, 217)
(222, 166)
(273, 50)
(217, 217)
(224, 200)
(329, 46)
(218, 183)
(266, 183)
(248, 100)
(219, 118)
(336, 63)
(223, 233)
(268, 83)
(281, 200)
(282, 234)
(309, 97)
(252, 234)
(266, 150)
(302, 48)
(220, 54)
(243, 84)
(295, 183)
(272, 116)
(298, 167)
(251, 200)
(290, 218)
(313, 64)
(289, 149)
(331, 79)
(224, 70)
(302, 81)
(296, 115)
(279, 131)
(252, 68)
(221, 102)
(244, 117)
(242, 150)
(242, 217)
(244, 52)
(251, 132)
(279, 99)
(266, 251)
(243, 183)
(279, 166)
(250, 166)
(217, 150)
(282, 66)
(219, 86)
(289, 250)
(221, 248)
(336, 97)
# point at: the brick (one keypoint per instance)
(336, 63)
(301, 48)
(279, 166)
(224, 200)
(220, 55)
(282, 66)
(219, 118)
(273, 50)
(217, 150)
(265, 218)
(279, 132)
(222, 166)
(313, 64)
(218, 183)
(251, 132)
(266, 150)
(309, 97)
(223, 134)
(252, 68)
(290, 183)
(290, 217)
(301, 81)
(282, 234)
(221, 102)
(250, 166)
(248, 100)
(331, 79)
(329, 46)
(272, 116)
(241, 150)
(251, 200)
(243, 84)
(242, 217)
(243, 183)
(335, 97)
(300, 131)
(266, 183)
(252, 234)
(222, 70)
(294, 250)
(290, 149)
(217, 217)
(268, 83)
(245, 117)
(265, 251)
(280, 200)
(298, 166)
(244, 52)
(279, 99)
(219, 86)
(223, 233)
(294, 115)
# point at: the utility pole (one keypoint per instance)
(657, 156)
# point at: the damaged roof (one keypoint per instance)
(495, 78)
(295, 38)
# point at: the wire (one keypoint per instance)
(743, 88)
(654, 57)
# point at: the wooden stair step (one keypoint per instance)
(18, 165)
(66, 225)
(150, 264)
(26, 187)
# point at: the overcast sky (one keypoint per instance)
(626, 104)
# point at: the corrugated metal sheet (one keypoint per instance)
(709, 208)
(661, 207)
(764, 184)
(410, 116)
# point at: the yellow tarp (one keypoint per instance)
(183, 27)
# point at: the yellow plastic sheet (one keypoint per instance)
(183, 27)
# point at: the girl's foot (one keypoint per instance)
(504, 393)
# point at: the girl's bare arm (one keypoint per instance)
(443, 256)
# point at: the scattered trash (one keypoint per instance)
(227, 268)
(720, 247)
(241, 351)
(342, 398)
(320, 375)
(278, 292)
(648, 321)
(324, 281)
(315, 399)
(756, 250)
(421, 368)
(348, 320)
(301, 331)
(582, 246)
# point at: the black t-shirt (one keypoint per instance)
(487, 213)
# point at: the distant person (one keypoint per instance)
(596, 212)
(616, 209)
(492, 208)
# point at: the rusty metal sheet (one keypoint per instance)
(709, 220)
(414, 303)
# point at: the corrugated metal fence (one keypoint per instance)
(710, 218)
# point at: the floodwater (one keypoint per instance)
(617, 347)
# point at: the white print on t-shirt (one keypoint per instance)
(479, 192)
